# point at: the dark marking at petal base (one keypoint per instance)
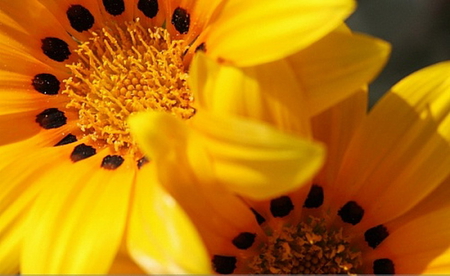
(281, 207)
(82, 151)
(141, 162)
(351, 213)
(112, 162)
(70, 138)
(181, 20)
(383, 266)
(375, 235)
(46, 84)
(148, 7)
(55, 48)
(224, 264)
(80, 18)
(201, 47)
(51, 118)
(315, 197)
(260, 219)
(244, 240)
(114, 7)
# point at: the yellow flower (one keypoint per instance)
(78, 194)
(379, 205)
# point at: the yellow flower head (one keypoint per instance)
(378, 206)
(79, 195)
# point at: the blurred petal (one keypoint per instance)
(269, 92)
(250, 158)
(161, 237)
(252, 32)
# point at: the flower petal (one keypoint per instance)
(336, 66)
(160, 235)
(421, 246)
(257, 31)
(78, 220)
(246, 156)
(268, 92)
(401, 151)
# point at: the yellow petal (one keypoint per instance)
(78, 220)
(257, 31)
(250, 158)
(398, 153)
(419, 246)
(336, 66)
(161, 238)
(269, 92)
(428, 91)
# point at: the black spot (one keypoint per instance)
(55, 48)
(80, 18)
(51, 118)
(181, 20)
(383, 266)
(70, 138)
(281, 207)
(114, 7)
(244, 240)
(112, 162)
(82, 151)
(351, 213)
(260, 219)
(148, 7)
(375, 235)
(46, 84)
(141, 162)
(315, 197)
(224, 264)
(201, 47)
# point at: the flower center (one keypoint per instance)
(307, 248)
(125, 69)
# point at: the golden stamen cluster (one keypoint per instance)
(307, 248)
(122, 70)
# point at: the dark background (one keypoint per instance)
(418, 30)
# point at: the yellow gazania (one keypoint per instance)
(77, 193)
(379, 206)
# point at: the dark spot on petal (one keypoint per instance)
(55, 48)
(80, 18)
(46, 84)
(244, 240)
(351, 213)
(70, 138)
(375, 235)
(148, 7)
(114, 7)
(281, 207)
(315, 197)
(383, 266)
(51, 118)
(81, 152)
(224, 264)
(181, 20)
(260, 219)
(112, 162)
(201, 47)
(141, 162)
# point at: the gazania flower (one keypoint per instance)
(78, 194)
(379, 205)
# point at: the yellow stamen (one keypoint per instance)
(123, 70)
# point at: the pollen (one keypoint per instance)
(309, 247)
(121, 70)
